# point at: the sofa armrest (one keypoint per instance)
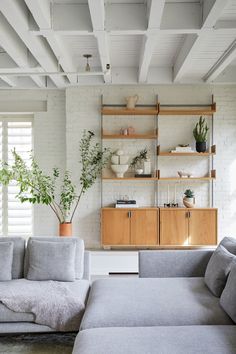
(86, 265)
(173, 263)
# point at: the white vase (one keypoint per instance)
(189, 202)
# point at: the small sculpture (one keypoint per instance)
(183, 174)
(131, 101)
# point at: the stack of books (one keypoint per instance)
(126, 204)
(183, 149)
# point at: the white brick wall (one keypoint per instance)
(58, 131)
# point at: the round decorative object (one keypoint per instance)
(189, 202)
(201, 146)
(139, 171)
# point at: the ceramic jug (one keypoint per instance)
(131, 101)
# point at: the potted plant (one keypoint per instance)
(63, 198)
(200, 134)
(189, 199)
(137, 161)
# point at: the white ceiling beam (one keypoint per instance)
(224, 61)
(11, 81)
(97, 13)
(212, 10)
(16, 14)
(40, 10)
(12, 44)
(149, 42)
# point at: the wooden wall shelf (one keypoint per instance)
(211, 177)
(186, 179)
(133, 136)
(180, 111)
(198, 154)
(129, 112)
(130, 179)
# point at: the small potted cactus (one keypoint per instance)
(200, 134)
(189, 199)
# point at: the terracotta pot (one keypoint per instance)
(65, 229)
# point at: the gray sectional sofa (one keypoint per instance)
(168, 310)
(20, 322)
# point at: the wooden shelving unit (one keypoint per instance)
(189, 154)
(163, 227)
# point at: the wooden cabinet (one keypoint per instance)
(188, 227)
(203, 227)
(130, 227)
(173, 227)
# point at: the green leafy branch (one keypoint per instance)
(37, 187)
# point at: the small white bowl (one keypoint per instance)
(139, 171)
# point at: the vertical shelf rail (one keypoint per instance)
(212, 157)
(156, 156)
(101, 132)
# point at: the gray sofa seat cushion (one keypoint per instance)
(51, 261)
(18, 255)
(152, 302)
(79, 255)
(218, 270)
(229, 243)
(228, 297)
(80, 289)
(6, 258)
(157, 340)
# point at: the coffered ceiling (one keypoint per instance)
(42, 42)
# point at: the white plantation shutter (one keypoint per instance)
(17, 217)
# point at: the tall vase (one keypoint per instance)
(65, 229)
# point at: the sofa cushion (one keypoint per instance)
(18, 255)
(6, 258)
(229, 243)
(157, 340)
(228, 297)
(152, 302)
(218, 269)
(79, 288)
(51, 261)
(79, 256)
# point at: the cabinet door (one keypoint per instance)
(115, 227)
(144, 227)
(203, 227)
(173, 227)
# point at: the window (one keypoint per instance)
(16, 218)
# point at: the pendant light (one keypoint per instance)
(87, 56)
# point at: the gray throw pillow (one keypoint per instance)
(6, 258)
(228, 297)
(79, 253)
(218, 269)
(51, 261)
(229, 243)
